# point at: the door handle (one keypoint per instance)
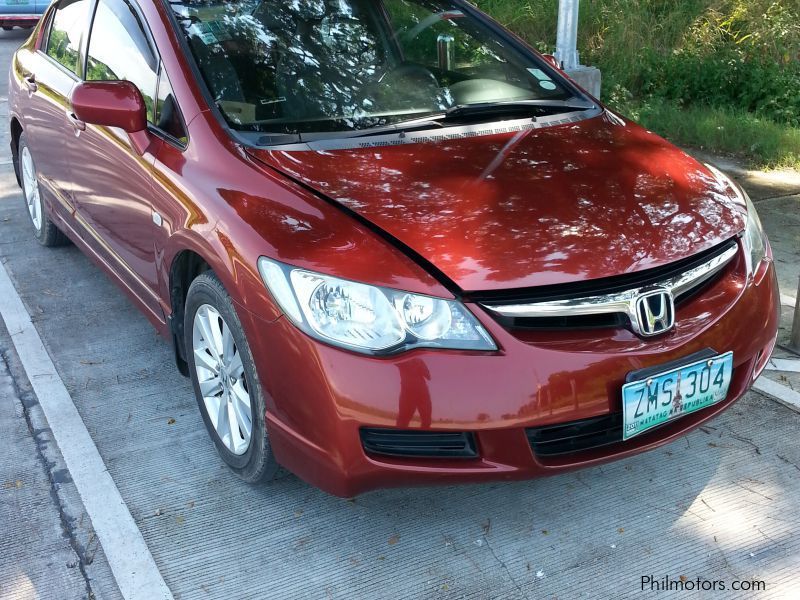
(76, 122)
(30, 82)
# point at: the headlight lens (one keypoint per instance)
(754, 240)
(370, 319)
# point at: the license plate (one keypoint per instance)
(651, 402)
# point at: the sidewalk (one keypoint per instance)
(37, 558)
(47, 545)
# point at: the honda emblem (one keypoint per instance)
(655, 313)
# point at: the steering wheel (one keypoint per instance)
(417, 83)
(410, 35)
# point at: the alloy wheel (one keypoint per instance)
(31, 184)
(220, 375)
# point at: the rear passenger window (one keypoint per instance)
(70, 21)
(119, 50)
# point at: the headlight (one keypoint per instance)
(754, 240)
(753, 237)
(370, 319)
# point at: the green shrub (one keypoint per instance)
(727, 78)
(742, 54)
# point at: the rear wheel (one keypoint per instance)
(225, 382)
(44, 229)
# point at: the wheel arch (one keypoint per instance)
(186, 265)
(15, 128)
(186, 257)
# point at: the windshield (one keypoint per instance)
(298, 66)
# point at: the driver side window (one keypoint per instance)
(119, 50)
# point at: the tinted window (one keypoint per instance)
(118, 49)
(168, 116)
(69, 22)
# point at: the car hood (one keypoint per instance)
(566, 203)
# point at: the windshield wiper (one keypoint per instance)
(509, 106)
(455, 113)
(479, 109)
(426, 122)
(276, 139)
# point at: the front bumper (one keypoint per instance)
(319, 397)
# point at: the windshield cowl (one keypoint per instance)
(422, 132)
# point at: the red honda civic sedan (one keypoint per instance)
(390, 243)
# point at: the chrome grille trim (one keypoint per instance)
(617, 303)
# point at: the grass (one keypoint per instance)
(723, 75)
(765, 143)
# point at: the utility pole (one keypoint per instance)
(567, 40)
(589, 78)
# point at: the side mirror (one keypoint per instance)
(552, 61)
(112, 104)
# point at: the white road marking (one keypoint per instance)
(777, 391)
(784, 364)
(788, 300)
(129, 557)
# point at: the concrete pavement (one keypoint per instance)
(48, 547)
(37, 556)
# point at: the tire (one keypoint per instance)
(44, 229)
(208, 305)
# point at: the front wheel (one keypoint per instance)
(225, 382)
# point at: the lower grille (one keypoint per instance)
(419, 444)
(576, 436)
(600, 321)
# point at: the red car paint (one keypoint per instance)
(567, 203)
(540, 207)
(111, 104)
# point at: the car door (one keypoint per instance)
(49, 73)
(112, 181)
